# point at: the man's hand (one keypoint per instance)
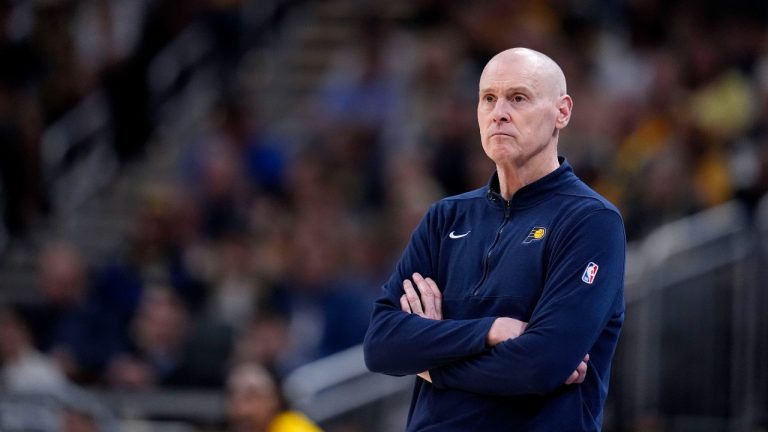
(504, 328)
(430, 305)
(577, 377)
(425, 376)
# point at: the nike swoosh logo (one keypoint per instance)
(453, 235)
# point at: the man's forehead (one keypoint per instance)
(509, 75)
(505, 85)
(522, 68)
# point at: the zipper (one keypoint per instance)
(489, 252)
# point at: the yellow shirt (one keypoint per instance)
(292, 421)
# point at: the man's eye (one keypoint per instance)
(518, 98)
(489, 98)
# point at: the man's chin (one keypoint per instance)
(504, 156)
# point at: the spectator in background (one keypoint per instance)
(262, 151)
(20, 129)
(154, 251)
(411, 190)
(221, 191)
(125, 81)
(67, 79)
(255, 403)
(158, 332)
(359, 90)
(324, 314)
(24, 369)
(66, 322)
(236, 292)
(26, 372)
(264, 341)
(168, 349)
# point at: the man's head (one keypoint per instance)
(521, 108)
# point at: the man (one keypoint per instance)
(508, 301)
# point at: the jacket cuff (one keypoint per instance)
(437, 378)
(485, 325)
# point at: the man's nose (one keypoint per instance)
(500, 112)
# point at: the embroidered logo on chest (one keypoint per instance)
(537, 233)
(454, 236)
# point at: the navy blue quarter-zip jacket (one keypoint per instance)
(552, 256)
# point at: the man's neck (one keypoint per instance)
(513, 177)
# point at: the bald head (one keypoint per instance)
(522, 106)
(540, 68)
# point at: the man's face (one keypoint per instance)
(517, 110)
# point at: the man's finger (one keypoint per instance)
(413, 298)
(582, 370)
(578, 376)
(571, 379)
(425, 376)
(438, 297)
(404, 304)
(427, 296)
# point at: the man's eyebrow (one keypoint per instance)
(507, 90)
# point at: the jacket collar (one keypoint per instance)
(535, 192)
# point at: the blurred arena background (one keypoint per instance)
(189, 185)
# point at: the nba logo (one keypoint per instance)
(589, 273)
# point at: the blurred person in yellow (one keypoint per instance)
(255, 403)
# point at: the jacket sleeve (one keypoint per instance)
(566, 322)
(400, 343)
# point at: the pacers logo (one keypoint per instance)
(536, 234)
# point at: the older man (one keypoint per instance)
(508, 300)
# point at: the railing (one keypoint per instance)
(45, 412)
(77, 154)
(688, 350)
(339, 384)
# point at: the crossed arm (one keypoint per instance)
(499, 355)
(427, 303)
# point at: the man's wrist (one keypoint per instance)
(503, 329)
(490, 338)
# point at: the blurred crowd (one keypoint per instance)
(268, 247)
(54, 54)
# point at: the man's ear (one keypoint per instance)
(564, 108)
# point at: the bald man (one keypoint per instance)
(508, 301)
